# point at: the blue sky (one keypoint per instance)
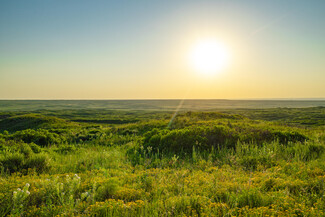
(135, 49)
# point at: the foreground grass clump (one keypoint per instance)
(202, 164)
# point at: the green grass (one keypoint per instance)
(244, 162)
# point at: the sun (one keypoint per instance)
(209, 56)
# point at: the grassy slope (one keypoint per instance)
(32, 121)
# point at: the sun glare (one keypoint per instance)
(209, 57)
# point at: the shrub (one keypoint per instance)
(65, 149)
(39, 162)
(21, 162)
(215, 136)
(314, 151)
(13, 162)
(40, 137)
(25, 149)
(252, 198)
(3, 147)
(285, 137)
(36, 149)
(128, 194)
(107, 190)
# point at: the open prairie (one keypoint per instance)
(170, 108)
(163, 105)
(132, 162)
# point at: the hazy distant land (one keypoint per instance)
(165, 105)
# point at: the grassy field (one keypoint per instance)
(85, 161)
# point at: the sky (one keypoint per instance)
(123, 49)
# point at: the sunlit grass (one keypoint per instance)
(264, 168)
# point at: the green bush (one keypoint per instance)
(107, 190)
(36, 149)
(12, 162)
(65, 149)
(24, 159)
(39, 162)
(214, 136)
(314, 151)
(284, 137)
(25, 149)
(3, 147)
(40, 137)
(252, 198)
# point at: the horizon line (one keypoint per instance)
(156, 99)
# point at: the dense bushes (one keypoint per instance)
(206, 137)
(20, 157)
(18, 162)
(174, 140)
(39, 162)
(12, 162)
(40, 137)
